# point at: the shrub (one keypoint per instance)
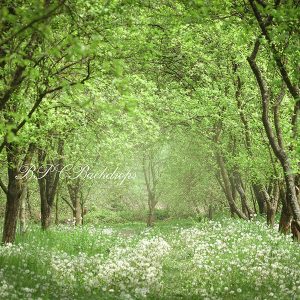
(161, 214)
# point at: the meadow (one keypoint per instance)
(221, 259)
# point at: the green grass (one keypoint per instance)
(177, 259)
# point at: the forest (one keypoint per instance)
(150, 149)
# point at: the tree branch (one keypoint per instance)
(284, 74)
(276, 116)
(70, 205)
(3, 186)
(39, 100)
(265, 101)
(41, 18)
(146, 176)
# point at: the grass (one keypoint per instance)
(177, 259)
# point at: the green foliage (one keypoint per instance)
(103, 217)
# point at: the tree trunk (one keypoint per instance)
(257, 189)
(150, 175)
(271, 198)
(28, 204)
(271, 212)
(227, 187)
(74, 193)
(292, 200)
(46, 216)
(78, 218)
(285, 219)
(295, 229)
(150, 219)
(22, 214)
(45, 207)
(276, 141)
(56, 210)
(14, 189)
(240, 188)
(286, 214)
(151, 205)
(83, 209)
(14, 192)
(77, 211)
(48, 179)
(231, 208)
